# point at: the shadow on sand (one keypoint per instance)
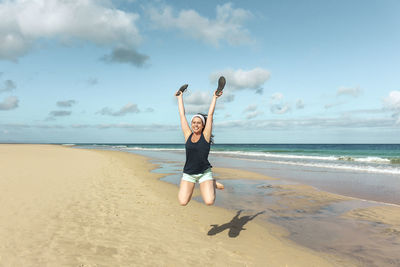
(234, 226)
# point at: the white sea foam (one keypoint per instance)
(153, 149)
(305, 157)
(372, 159)
(269, 155)
(359, 168)
(359, 164)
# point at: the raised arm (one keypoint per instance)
(208, 128)
(184, 124)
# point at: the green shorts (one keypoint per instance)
(201, 177)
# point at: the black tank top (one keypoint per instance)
(197, 156)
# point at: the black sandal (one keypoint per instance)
(221, 85)
(182, 89)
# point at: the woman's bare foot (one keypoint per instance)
(219, 186)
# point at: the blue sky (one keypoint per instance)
(106, 71)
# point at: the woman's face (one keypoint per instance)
(197, 125)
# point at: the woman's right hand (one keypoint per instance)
(181, 90)
(178, 94)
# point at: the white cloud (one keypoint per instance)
(277, 106)
(276, 96)
(331, 105)
(253, 114)
(128, 108)
(307, 123)
(9, 85)
(299, 104)
(92, 81)
(129, 126)
(23, 22)
(9, 103)
(66, 103)
(243, 79)
(198, 101)
(126, 55)
(227, 26)
(57, 113)
(60, 113)
(198, 98)
(392, 102)
(227, 116)
(327, 106)
(227, 97)
(280, 108)
(250, 108)
(352, 91)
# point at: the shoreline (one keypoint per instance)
(219, 170)
(301, 209)
(359, 184)
(67, 206)
(363, 185)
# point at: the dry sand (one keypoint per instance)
(63, 206)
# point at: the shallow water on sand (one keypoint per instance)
(369, 186)
(319, 226)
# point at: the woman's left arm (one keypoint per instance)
(208, 128)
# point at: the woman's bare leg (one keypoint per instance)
(207, 189)
(185, 192)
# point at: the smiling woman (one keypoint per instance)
(198, 139)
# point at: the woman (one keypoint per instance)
(197, 145)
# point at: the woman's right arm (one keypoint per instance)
(184, 124)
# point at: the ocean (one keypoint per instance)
(370, 158)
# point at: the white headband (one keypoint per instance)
(199, 116)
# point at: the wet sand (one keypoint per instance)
(364, 232)
(63, 206)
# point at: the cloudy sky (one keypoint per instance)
(106, 71)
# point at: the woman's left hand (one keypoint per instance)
(217, 94)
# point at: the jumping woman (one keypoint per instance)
(197, 145)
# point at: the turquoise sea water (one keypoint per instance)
(369, 158)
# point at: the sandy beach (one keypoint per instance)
(62, 206)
